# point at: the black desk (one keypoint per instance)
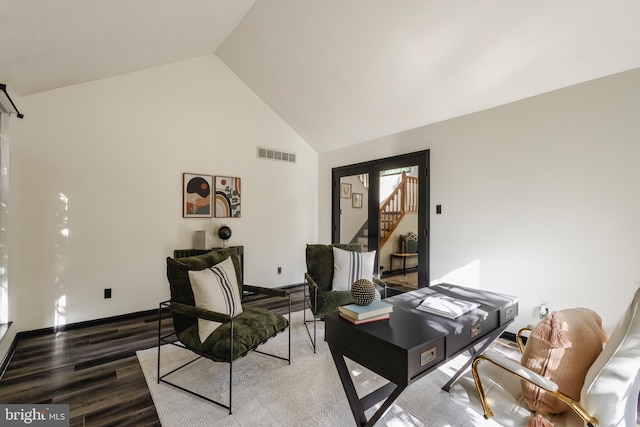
(413, 343)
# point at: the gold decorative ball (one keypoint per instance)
(363, 292)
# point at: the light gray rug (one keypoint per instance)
(270, 392)
(409, 280)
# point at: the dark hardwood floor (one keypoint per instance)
(95, 370)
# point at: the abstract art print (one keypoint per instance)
(227, 198)
(356, 200)
(345, 191)
(196, 195)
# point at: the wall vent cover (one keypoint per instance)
(273, 154)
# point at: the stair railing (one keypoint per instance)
(403, 199)
(364, 179)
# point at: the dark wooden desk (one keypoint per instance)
(413, 343)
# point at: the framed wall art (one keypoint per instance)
(356, 200)
(345, 191)
(196, 195)
(227, 197)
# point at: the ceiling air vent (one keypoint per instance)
(273, 154)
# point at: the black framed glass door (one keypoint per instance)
(381, 204)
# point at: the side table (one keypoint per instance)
(403, 257)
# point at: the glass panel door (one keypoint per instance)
(398, 235)
(354, 216)
(383, 204)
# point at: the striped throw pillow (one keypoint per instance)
(216, 289)
(350, 266)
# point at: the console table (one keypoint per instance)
(413, 343)
(403, 257)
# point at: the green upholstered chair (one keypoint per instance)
(235, 337)
(318, 294)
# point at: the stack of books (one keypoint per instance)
(445, 306)
(358, 314)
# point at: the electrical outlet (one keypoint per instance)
(544, 310)
(107, 293)
(279, 270)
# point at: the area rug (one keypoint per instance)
(270, 392)
(410, 280)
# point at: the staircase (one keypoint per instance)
(362, 237)
(402, 200)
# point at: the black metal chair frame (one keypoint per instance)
(314, 308)
(172, 338)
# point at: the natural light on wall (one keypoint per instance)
(62, 239)
(61, 311)
(467, 275)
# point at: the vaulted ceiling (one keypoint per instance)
(339, 72)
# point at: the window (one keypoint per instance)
(6, 108)
(4, 210)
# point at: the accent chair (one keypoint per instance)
(319, 296)
(221, 335)
(608, 395)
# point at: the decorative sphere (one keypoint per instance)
(224, 232)
(363, 292)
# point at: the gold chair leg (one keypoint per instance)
(476, 378)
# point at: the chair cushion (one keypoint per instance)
(328, 301)
(561, 347)
(503, 392)
(319, 259)
(350, 266)
(250, 328)
(215, 289)
(612, 383)
(178, 271)
(178, 276)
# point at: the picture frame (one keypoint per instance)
(356, 200)
(196, 195)
(227, 197)
(345, 191)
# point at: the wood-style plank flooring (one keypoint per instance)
(95, 370)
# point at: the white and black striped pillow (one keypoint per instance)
(216, 289)
(350, 266)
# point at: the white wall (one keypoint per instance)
(539, 198)
(116, 149)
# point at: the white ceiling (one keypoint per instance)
(338, 71)
(45, 44)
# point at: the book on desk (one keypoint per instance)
(367, 320)
(357, 314)
(446, 306)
